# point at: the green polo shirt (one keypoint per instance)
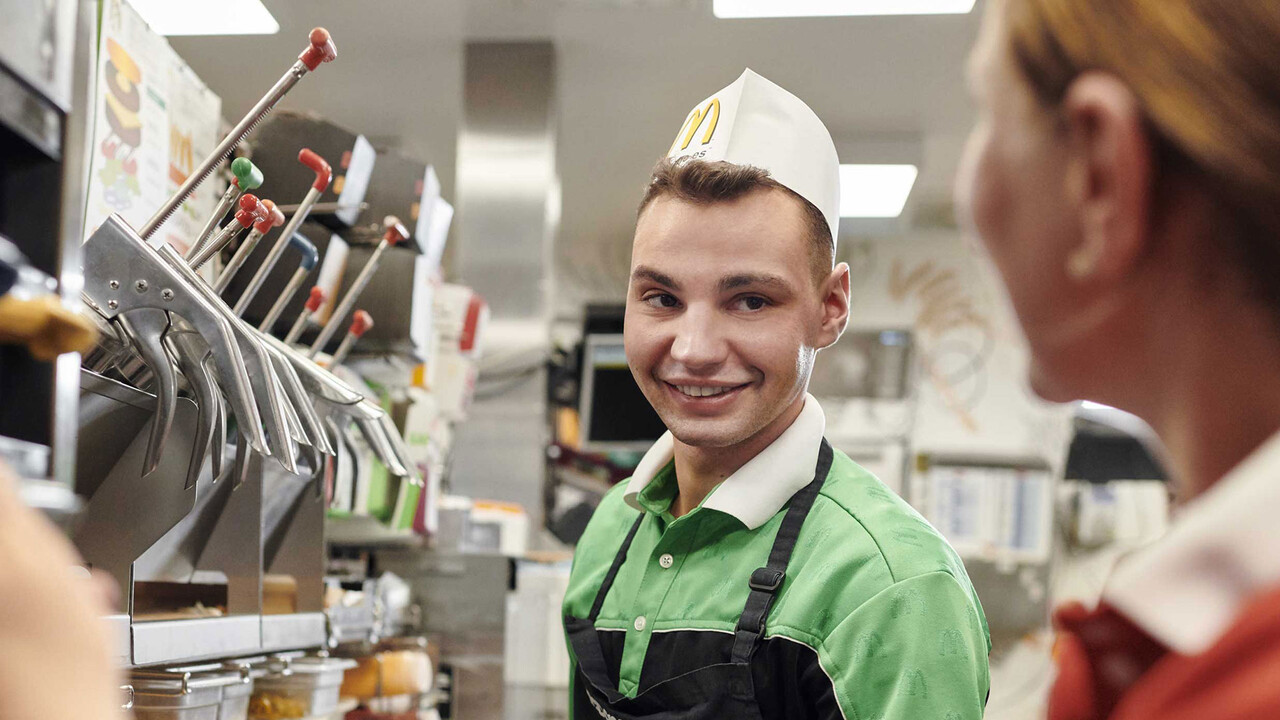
(876, 619)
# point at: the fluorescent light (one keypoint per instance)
(875, 191)
(835, 8)
(207, 17)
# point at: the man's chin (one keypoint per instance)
(704, 434)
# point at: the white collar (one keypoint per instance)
(759, 489)
(1223, 548)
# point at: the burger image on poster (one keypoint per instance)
(755, 122)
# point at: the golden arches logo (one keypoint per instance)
(694, 121)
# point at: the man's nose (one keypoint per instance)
(699, 341)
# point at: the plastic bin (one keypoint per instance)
(398, 666)
(295, 688)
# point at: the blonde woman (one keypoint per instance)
(1124, 176)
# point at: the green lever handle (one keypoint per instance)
(248, 176)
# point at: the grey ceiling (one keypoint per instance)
(628, 71)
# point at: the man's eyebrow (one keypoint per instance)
(733, 282)
(643, 272)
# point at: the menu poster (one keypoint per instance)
(194, 113)
(154, 119)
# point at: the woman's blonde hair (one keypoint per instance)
(1207, 74)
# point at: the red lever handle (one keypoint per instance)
(321, 50)
(323, 172)
(316, 299)
(361, 321)
(396, 232)
(250, 210)
(262, 213)
(274, 218)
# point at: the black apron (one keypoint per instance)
(716, 692)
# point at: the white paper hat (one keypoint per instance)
(755, 122)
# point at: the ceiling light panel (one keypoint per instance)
(207, 17)
(837, 8)
(875, 191)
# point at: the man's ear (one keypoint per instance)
(835, 306)
(1109, 177)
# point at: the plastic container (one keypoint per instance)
(235, 698)
(295, 688)
(201, 692)
(398, 667)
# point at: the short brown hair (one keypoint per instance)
(699, 181)
(1207, 75)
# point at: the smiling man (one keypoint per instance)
(747, 570)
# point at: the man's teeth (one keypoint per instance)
(699, 391)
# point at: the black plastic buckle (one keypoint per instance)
(766, 579)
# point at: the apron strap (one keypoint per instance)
(620, 558)
(589, 653)
(766, 581)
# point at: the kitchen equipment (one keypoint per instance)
(298, 686)
(323, 174)
(395, 233)
(197, 692)
(360, 324)
(246, 248)
(307, 262)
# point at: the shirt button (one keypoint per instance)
(640, 623)
(666, 561)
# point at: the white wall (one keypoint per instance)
(971, 392)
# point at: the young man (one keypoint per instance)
(747, 570)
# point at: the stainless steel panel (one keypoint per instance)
(121, 639)
(281, 493)
(216, 543)
(500, 451)
(234, 547)
(174, 641)
(127, 513)
(173, 557)
(77, 149)
(460, 594)
(30, 115)
(38, 43)
(293, 632)
(154, 528)
(292, 531)
(508, 194)
(29, 460)
(508, 197)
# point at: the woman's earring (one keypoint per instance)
(1082, 262)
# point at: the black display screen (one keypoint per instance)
(614, 410)
(619, 411)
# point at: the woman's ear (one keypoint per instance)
(1109, 177)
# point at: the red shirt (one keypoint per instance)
(1188, 627)
(1110, 669)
